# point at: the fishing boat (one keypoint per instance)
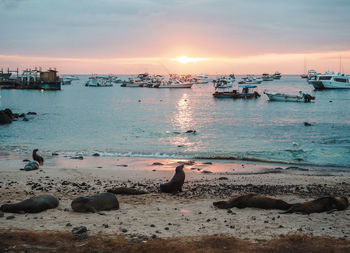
(65, 81)
(330, 80)
(246, 92)
(71, 77)
(301, 97)
(98, 81)
(224, 81)
(175, 84)
(267, 77)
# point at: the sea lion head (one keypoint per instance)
(341, 203)
(179, 168)
(35, 150)
(79, 204)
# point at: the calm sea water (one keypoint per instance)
(112, 121)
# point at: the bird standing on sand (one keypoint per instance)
(37, 157)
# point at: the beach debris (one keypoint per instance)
(126, 191)
(157, 164)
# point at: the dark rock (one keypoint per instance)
(152, 225)
(79, 230)
(54, 154)
(66, 210)
(207, 172)
(31, 113)
(25, 119)
(22, 115)
(78, 157)
(157, 163)
(124, 230)
(105, 225)
(223, 178)
(307, 124)
(26, 160)
(166, 228)
(207, 163)
(154, 236)
(122, 165)
(4, 118)
(191, 131)
(10, 217)
(1, 214)
(96, 154)
(68, 225)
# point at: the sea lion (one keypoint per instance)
(32, 165)
(95, 203)
(325, 204)
(32, 205)
(176, 183)
(37, 157)
(253, 200)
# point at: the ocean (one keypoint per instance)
(144, 122)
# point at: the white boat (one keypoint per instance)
(277, 75)
(71, 77)
(301, 97)
(175, 84)
(65, 81)
(99, 81)
(266, 77)
(330, 80)
(249, 79)
(224, 81)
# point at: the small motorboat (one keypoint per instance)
(301, 97)
(246, 92)
(98, 81)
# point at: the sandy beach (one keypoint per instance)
(186, 214)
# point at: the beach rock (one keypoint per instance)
(223, 178)
(124, 230)
(79, 230)
(207, 172)
(96, 154)
(25, 119)
(191, 131)
(157, 164)
(134, 239)
(5, 118)
(207, 163)
(31, 113)
(22, 115)
(122, 165)
(1, 214)
(126, 191)
(11, 217)
(78, 157)
(307, 124)
(54, 154)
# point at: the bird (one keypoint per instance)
(37, 157)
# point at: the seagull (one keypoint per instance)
(37, 157)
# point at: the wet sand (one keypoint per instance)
(160, 215)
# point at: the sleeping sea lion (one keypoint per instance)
(325, 204)
(32, 205)
(32, 165)
(176, 183)
(37, 157)
(253, 200)
(95, 203)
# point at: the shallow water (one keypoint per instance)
(112, 121)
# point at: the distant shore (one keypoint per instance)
(160, 215)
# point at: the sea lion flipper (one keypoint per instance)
(222, 204)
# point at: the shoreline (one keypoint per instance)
(189, 213)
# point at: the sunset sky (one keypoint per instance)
(133, 36)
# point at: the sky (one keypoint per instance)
(134, 36)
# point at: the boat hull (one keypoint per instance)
(236, 95)
(189, 85)
(50, 86)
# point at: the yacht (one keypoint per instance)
(277, 75)
(98, 81)
(249, 79)
(330, 80)
(224, 81)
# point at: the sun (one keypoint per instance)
(185, 59)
